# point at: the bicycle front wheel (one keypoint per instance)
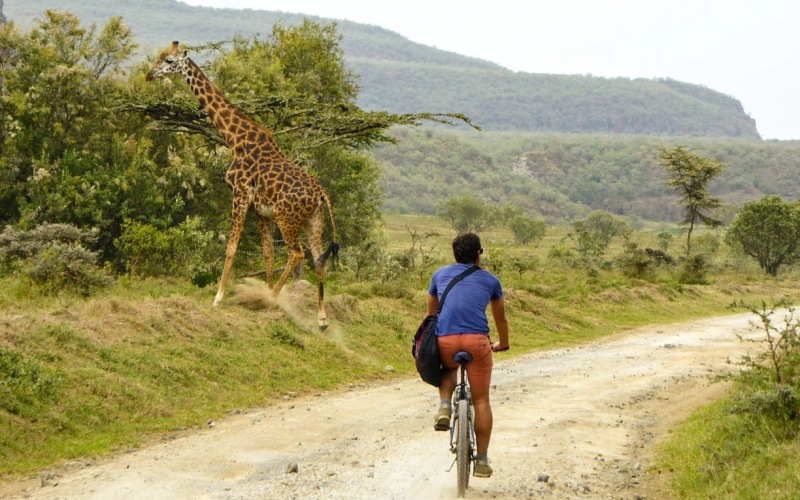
(463, 457)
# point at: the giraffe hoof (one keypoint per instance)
(323, 326)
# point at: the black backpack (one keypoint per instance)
(425, 348)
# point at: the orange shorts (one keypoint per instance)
(479, 370)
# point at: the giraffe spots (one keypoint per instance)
(265, 210)
(261, 178)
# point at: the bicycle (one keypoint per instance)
(462, 431)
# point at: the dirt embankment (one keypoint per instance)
(585, 419)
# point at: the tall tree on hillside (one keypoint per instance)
(690, 174)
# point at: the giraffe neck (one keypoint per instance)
(226, 117)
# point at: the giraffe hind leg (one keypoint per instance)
(267, 249)
(295, 256)
(314, 235)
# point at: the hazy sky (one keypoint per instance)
(744, 48)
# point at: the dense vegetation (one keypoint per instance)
(563, 176)
(400, 76)
(84, 144)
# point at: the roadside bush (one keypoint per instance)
(776, 404)
(745, 446)
(184, 251)
(54, 256)
(694, 271)
(635, 262)
(771, 377)
(779, 359)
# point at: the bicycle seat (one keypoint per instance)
(462, 357)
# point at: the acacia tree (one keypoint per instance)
(593, 234)
(466, 214)
(295, 83)
(689, 175)
(767, 230)
(526, 229)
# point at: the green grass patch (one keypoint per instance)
(745, 446)
(719, 453)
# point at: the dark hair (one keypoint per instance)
(466, 248)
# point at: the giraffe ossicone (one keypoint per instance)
(261, 179)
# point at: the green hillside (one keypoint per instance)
(401, 76)
(564, 176)
(502, 101)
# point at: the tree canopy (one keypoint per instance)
(466, 213)
(768, 230)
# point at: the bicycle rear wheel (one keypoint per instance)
(463, 457)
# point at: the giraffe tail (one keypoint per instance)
(332, 251)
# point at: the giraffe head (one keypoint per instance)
(170, 61)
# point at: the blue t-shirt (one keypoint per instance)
(465, 307)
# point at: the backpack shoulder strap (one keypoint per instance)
(452, 283)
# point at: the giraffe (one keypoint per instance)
(261, 178)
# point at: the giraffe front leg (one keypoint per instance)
(239, 212)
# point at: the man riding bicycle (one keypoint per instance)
(463, 326)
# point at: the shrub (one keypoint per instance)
(369, 261)
(635, 262)
(55, 257)
(694, 271)
(770, 378)
(526, 229)
(184, 251)
(67, 267)
(776, 403)
(779, 360)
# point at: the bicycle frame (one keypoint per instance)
(462, 405)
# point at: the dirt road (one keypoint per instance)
(586, 417)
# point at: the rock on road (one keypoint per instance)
(586, 417)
